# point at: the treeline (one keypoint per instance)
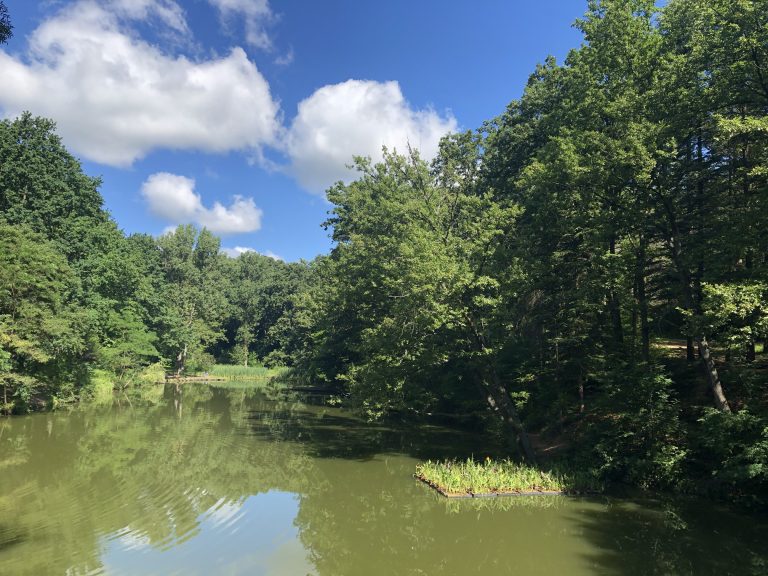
(77, 294)
(591, 266)
(547, 265)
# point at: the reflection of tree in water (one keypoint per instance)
(326, 432)
(377, 524)
(365, 519)
(150, 471)
(658, 536)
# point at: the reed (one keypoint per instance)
(235, 372)
(492, 476)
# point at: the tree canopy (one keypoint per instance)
(588, 269)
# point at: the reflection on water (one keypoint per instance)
(206, 480)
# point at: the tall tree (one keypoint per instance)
(194, 302)
(41, 328)
(6, 28)
(417, 293)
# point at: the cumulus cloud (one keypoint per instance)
(357, 118)
(255, 14)
(238, 250)
(173, 197)
(116, 97)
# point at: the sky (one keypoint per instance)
(237, 115)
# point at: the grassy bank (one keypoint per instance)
(234, 373)
(454, 477)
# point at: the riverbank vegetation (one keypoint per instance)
(246, 373)
(470, 477)
(588, 270)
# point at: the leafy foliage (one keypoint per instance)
(540, 274)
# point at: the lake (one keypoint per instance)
(240, 480)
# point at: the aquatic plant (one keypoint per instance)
(489, 476)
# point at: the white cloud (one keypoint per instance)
(116, 97)
(167, 11)
(173, 197)
(285, 59)
(357, 118)
(238, 250)
(272, 255)
(256, 14)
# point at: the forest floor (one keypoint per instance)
(739, 377)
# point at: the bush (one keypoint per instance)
(152, 374)
(733, 450)
(101, 386)
(636, 435)
(201, 362)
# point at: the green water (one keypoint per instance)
(216, 480)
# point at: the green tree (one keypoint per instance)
(128, 344)
(43, 186)
(41, 328)
(6, 28)
(194, 304)
(414, 290)
(262, 291)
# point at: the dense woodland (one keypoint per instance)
(588, 270)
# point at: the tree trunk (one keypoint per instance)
(615, 308)
(676, 253)
(499, 401)
(246, 345)
(642, 303)
(181, 360)
(633, 318)
(751, 352)
(713, 378)
(497, 397)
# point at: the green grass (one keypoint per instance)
(493, 476)
(102, 385)
(152, 374)
(232, 372)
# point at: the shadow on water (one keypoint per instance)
(329, 432)
(635, 535)
(661, 536)
(200, 479)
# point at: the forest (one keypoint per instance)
(588, 270)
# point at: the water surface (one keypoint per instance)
(220, 480)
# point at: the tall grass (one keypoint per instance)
(494, 476)
(231, 372)
(101, 386)
(152, 374)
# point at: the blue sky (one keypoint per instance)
(237, 114)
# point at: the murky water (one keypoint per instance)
(216, 480)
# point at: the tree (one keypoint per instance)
(41, 328)
(128, 345)
(43, 186)
(194, 304)
(261, 295)
(416, 291)
(6, 28)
